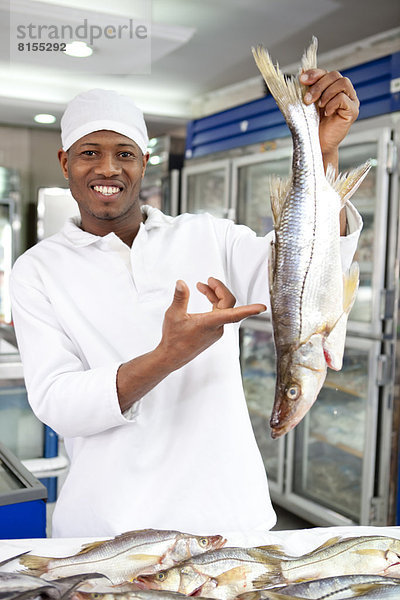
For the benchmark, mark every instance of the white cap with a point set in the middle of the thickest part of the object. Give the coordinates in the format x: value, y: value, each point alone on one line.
x: 103, y: 109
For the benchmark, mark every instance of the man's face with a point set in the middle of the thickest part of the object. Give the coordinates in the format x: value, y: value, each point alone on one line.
x: 104, y: 170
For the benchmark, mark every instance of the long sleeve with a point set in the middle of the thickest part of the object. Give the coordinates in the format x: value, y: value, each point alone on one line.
x: 63, y: 392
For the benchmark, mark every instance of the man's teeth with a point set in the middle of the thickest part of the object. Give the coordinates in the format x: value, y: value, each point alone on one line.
x: 106, y: 190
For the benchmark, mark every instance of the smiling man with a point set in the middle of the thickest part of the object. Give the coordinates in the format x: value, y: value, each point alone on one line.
x: 122, y: 354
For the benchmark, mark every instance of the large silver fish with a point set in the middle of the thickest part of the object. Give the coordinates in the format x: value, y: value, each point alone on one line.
x: 219, y: 574
x: 127, y: 555
x: 367, y: 555
x: 310, y: 296
x: 332, y: 588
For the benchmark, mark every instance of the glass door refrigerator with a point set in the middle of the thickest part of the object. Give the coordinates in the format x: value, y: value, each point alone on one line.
x: 334, y: 468
x: 206, y: 188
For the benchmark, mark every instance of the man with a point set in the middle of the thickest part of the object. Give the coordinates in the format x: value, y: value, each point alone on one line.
x: 148, y: 393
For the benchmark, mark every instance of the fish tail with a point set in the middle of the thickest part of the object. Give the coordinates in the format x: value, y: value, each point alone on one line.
x: 37, y: 565
x: 309, y: 58
x: 287, y: 91
x: 346, y: 184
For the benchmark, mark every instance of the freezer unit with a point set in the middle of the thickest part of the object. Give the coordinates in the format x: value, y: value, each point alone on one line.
x: 237, y: 185
x: 22, y: 500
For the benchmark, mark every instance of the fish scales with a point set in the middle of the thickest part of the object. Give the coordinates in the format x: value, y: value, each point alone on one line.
x: 308, y: 305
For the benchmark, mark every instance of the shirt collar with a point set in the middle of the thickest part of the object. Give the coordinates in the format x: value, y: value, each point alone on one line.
x: 73, y: 232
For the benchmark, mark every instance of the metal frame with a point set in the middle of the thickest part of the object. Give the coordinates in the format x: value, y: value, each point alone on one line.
x: 381, y: 137
x: 174, y: 191
x: 205, y: 167
x: 276, y: 487
x: 255, y: 159
x: 33, y: 490
x: 317, y: 512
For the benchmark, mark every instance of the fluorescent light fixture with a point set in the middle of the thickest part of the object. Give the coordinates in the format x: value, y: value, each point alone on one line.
x: 44, y: 118
x: 78, y: 49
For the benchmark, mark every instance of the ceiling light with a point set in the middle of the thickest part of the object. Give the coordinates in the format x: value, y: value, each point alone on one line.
x: 155, y: 160
x: 78, y: 49
x: 43, y: 118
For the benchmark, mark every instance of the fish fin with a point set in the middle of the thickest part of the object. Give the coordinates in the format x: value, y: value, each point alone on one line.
x: 350, y: 286
x: 278, y: 191
x: 334, y: 343
x: 273, y: 577
x: 88, y: 547
x: 263, y: 556
x: 286, y: 90
x: 37, y: 565
x: 331, y: 542
x: 369, y: 552
x: 7, y: 560
x: 146, y: 557
x: 309, y: 58
x: 231, y: 576
x: 359, y: 589
x: 273, y: 549
x: 345, y: 184
x: 271, y: 267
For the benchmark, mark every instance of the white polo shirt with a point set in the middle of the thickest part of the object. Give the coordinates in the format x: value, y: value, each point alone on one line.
x: 184, y: 457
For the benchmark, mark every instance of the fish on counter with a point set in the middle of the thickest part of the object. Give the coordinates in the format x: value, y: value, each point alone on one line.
x: 368, y: 555
x: 125, y: 556
x: 310, y: 296
x: 129, y: 595
x: 332, y: 588
x: 223, y: 573
x: 16, y: 585
x: 229, y: 572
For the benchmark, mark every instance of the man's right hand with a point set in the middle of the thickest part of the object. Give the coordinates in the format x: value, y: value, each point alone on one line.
x: 185, y: 335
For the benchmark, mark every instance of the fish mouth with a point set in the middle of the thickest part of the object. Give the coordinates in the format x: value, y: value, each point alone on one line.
x: 141, y: 582
x: 277, y: 432
x: 197, y: 591
x: 218, y: 541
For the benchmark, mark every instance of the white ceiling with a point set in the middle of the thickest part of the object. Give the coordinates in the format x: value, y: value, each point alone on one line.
x: 196, y: 47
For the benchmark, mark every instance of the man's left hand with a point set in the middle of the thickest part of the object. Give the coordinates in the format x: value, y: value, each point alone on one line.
x: 338, y: 105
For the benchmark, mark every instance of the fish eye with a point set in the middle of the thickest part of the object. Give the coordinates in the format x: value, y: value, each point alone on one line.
x: 203, y: 542
x: 293, y: 392
x: 160, y: 576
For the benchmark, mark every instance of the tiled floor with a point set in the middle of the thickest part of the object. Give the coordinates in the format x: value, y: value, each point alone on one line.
x: 287, y: 520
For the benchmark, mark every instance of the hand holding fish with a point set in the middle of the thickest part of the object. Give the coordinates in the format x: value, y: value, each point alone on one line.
x: 185, y: 335
x: 338, y: 105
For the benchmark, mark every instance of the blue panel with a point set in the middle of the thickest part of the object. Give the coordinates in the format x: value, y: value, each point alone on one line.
x: 23, y: 520
x: 244, y: 111
x: 261, y: 120
x: 235, y: 129
x: 50, y: 451
x: 50, y: 443
x: 263, y: 135
x: 395, y: 105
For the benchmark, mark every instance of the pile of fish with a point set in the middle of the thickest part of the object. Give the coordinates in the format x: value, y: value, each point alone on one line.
x: 170, y: 565
x: 310, y: 296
